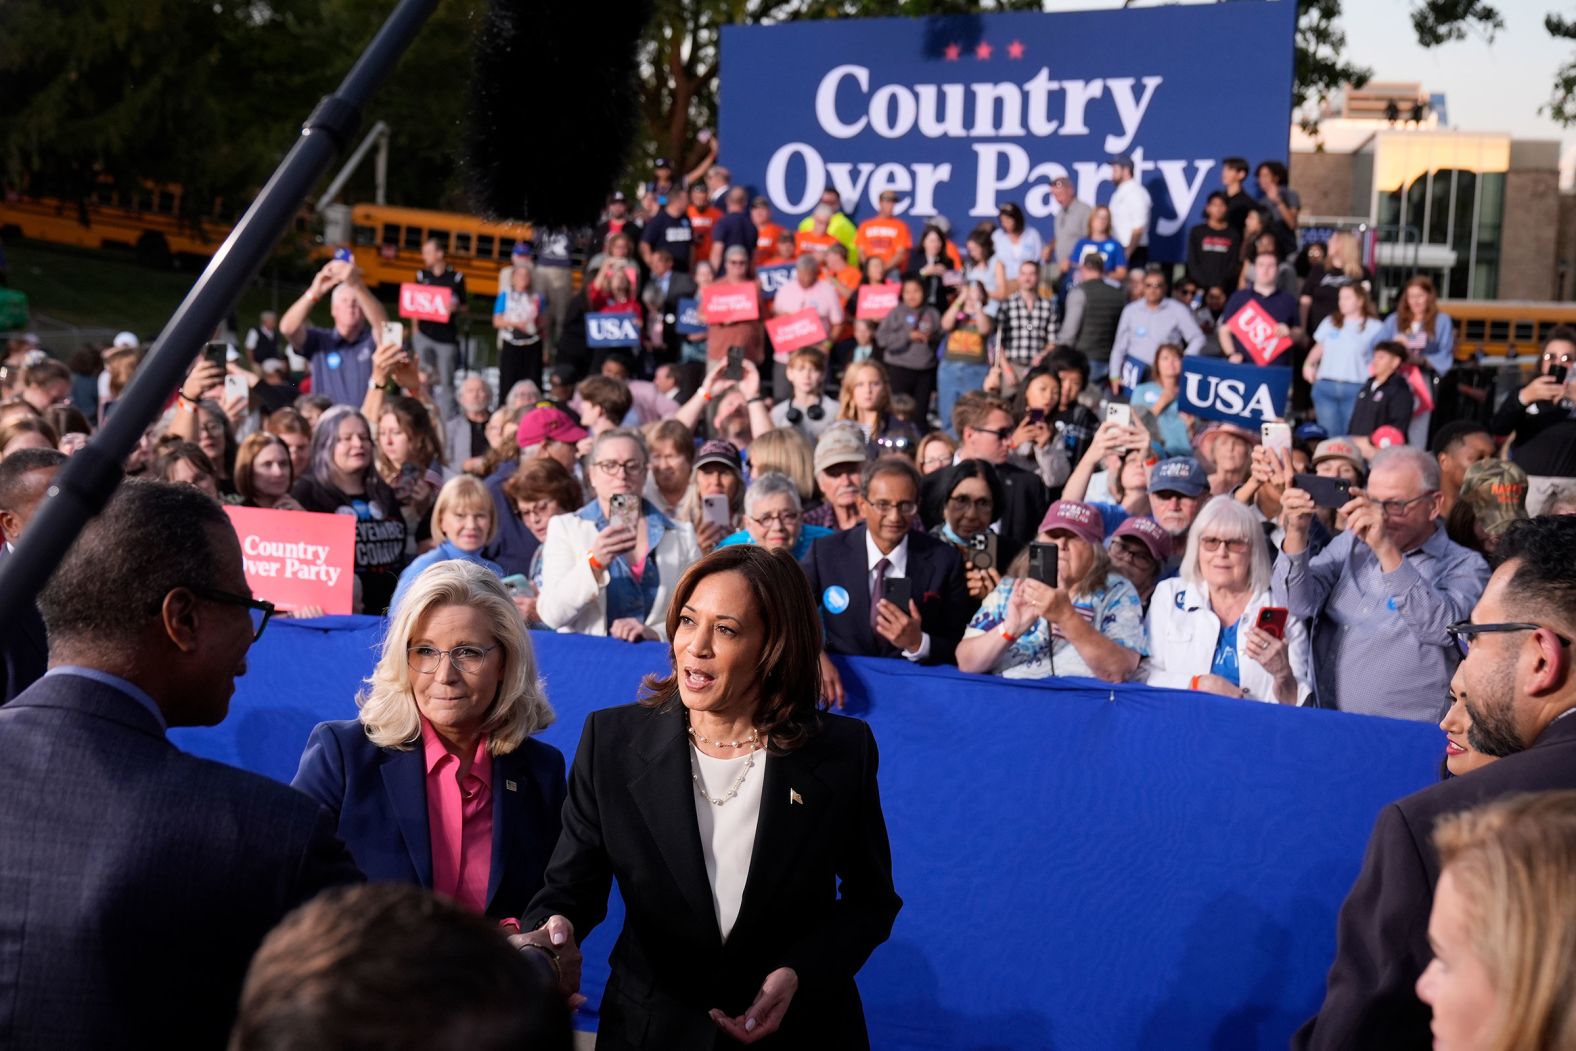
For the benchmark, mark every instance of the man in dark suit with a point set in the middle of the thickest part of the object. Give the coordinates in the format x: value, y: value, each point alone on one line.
x: 1518, y: 682
x: 848, y: 573
x: 664, y: 288
x: 985, y: 427
x: 25, y: 477
x: 139, y: 880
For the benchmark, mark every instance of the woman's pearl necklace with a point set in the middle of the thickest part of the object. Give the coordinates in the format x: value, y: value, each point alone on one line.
x: 749, y: 764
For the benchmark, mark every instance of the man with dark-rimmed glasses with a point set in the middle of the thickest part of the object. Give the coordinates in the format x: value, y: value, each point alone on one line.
x: 1517, y: 679
x: 144, y: 877
x: 1382, y: 593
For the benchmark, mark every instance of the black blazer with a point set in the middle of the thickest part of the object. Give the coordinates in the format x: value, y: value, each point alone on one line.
x: 137, y: 880
x: 631, y: 815
x: 378, y: 796
x: 1382, y: 935
x: 24, y: 648
x: 939, y: 589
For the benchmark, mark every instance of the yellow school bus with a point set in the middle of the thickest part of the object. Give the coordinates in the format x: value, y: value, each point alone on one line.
x: 146, y: 219
x: 1504, y: 328
x: 387, y: 243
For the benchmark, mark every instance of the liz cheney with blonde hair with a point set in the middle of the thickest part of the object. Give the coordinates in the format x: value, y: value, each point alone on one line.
x: 439, y: 781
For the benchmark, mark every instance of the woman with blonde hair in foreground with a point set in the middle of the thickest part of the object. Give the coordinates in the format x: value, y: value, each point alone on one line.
x: 1503, y: 927
x: 438, y: 781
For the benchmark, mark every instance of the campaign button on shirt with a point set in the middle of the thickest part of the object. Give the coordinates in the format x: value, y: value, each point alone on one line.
x: 333, y: 359
x: 835, y: 599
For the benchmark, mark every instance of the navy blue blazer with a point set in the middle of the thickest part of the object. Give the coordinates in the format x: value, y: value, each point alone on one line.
x: 136, y: 881
x: 379, y: 797
x: 935, y: 570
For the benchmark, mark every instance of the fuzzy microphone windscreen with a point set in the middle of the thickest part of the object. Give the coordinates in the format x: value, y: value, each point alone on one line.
x: 555, y: 106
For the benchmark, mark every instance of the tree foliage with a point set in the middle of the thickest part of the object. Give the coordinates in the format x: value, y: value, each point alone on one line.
x: 1562, y: 102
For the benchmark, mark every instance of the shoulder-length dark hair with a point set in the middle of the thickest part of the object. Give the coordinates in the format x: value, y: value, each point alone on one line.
x: 966, y: 469
x: 790, y: 669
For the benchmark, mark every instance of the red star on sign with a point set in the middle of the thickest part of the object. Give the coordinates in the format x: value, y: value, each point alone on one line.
x: 982, y: 51
x: 951, y: 52
x: 1015, y: 49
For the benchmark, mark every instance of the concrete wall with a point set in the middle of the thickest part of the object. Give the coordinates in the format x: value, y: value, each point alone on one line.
x: 1527, y: 267
x: 1325, y: 182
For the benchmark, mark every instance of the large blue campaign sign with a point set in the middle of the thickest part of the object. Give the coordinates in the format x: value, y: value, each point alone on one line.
x: 1246, y: 394
x: 1083, y: 866
x: 960, y: 114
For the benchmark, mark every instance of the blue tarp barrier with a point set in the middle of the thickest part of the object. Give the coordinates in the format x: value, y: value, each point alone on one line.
x: 1082, y: 866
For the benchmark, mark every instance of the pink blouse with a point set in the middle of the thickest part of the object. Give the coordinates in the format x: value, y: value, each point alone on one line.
x: 459, y: 821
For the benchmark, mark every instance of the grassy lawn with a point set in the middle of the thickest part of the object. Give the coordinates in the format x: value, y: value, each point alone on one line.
x: 107, y: 289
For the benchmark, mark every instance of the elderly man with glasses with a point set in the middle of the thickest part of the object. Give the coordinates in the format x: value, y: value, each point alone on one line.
x: 1383, y: 594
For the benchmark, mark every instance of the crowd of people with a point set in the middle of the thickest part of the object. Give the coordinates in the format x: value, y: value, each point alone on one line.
x: 994, y: 474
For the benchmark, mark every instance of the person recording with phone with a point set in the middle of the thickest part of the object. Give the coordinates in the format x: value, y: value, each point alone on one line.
x: 610, y: 567
x: 1060, y: 610
x: 1215, y: 628
x: 1542, y: 416
x: 972, y: 491
x: 715, y: 501
x: 884, y: 589
x: 1381, y: 594
x: 341, y: 356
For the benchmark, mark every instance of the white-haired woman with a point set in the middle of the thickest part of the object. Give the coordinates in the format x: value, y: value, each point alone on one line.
x: 610, y: 567
x: 773, y: 517
x: 438, y: 781
x: 1203, y: 625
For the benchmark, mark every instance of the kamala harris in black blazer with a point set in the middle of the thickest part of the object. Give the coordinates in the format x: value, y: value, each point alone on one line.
x: 818, y: 897
x: 371, y: 772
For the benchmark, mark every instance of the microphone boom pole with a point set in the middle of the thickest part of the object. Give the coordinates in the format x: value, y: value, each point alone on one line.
x: 89, y: 478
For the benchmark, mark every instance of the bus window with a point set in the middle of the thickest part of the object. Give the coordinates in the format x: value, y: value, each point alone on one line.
x: 484, y: 246
x: 105, y: 195
x: 413, y: 238
x: 166, y: 202
x: 440, y: 236
x: 362, y: 235
x: 390, y: 234
x: 462, y: 244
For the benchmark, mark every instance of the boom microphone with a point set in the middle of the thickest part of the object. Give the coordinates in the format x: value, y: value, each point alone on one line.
x: 553, y: 164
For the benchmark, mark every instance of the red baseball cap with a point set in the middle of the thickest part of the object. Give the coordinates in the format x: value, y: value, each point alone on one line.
x: 1386, y: 436
x: 545, y: 422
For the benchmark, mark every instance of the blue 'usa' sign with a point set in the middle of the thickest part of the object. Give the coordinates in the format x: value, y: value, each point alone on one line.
x: 1218, y: 390
x: 612, y: 330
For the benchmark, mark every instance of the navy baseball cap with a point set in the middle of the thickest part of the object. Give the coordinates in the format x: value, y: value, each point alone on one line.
x: 1179, y: 474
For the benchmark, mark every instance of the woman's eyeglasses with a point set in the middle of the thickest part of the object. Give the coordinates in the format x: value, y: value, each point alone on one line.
x: 466, y: 659
x: 617, y: 467
x: 786, y: 519
x: 960, y: 504
x: 1236, y: 545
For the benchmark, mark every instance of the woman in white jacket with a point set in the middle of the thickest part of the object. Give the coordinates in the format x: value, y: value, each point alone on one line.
x: 607, y: 573
x: 1203, y: 632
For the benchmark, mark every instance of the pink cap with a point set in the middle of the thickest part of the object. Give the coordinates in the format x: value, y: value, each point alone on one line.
x: 1077, y: 518
x: 1387, y: 436
x: 545, y: 422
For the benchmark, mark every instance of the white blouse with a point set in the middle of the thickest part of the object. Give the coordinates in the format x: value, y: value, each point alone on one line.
x: 727, y: 832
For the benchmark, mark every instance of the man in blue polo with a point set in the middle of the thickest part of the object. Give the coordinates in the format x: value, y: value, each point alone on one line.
x: 340, y: 357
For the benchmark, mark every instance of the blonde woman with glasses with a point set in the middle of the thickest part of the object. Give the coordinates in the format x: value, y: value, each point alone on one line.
x: 438, y: 781
x: 1204, y: 625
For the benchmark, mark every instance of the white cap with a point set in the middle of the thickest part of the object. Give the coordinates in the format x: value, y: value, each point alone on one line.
x: 128, y: 341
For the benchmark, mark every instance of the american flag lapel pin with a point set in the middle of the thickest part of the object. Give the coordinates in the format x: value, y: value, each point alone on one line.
x: 795, y: 797
x: 511, y: 786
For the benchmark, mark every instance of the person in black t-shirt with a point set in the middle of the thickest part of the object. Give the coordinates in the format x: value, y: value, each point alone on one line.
x: 1385, y: 400
x: 1543, y: 416
x: 437, y: 343
x: 344, y: 480
x: 670, y: 229
x: 1213, y: 247
x: 1233, y: 176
